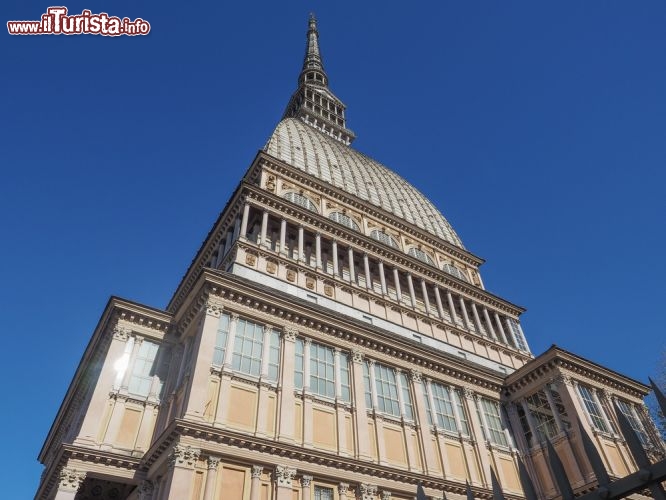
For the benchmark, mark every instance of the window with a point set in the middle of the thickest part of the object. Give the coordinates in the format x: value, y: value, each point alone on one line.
x: 322, y: 370
x: 592, y: 408
x: 543, y: 417
x: 387, y: 391
x: 629, y: 411
x: 273, y: 355
x: 300, y: 200
x: 447, y: 405
x: 517, y: 334
x: 221, y: 340
x: 454, y: 271
x: 421, y: 255
x: 385, y: 238
x: 248, y: 347
x: 322, y: 493
x: 142, y: 371
x: 345, y: 220
x: 491, y: 416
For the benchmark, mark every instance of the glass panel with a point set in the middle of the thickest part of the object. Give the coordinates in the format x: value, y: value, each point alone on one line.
x: 221, y: 340
x: 142, y: 371
x: 495, y: 430
x: 592, y: 408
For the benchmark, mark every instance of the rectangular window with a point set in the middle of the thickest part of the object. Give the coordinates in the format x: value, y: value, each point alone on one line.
x: 543, y: 417
x: 322, y: 493
x: 366, y: 385
x: 273, y: 355
x: 221, y: 340
x: 299, y: 365
x: 387, y: 390
x: 592, y: 408
x: 142, y: 371
x: 517, y: 335
x: 629, y: 411
x: 443, y: 407
x: 248, y: 346
x: 462, y: 416
x: 495, y: 430
x: 322, y: 370
x: 406, y: 396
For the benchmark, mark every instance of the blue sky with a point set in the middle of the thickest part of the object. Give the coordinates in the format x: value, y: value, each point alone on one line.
x: 536, y: 128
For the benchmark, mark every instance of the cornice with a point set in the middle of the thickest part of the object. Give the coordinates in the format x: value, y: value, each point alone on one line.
x: 240, y: 295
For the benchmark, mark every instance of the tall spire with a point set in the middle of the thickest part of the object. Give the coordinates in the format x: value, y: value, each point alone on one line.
x: 313, y: 102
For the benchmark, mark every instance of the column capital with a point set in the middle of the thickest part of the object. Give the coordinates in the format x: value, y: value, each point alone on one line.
x: 469, y: 393
x: 212, y: 462
x: 386, y: 495
x: 307, y: 341
x: 343, y: 488
x: 367, y: 491
x: 256, y: 472
x: 184, y: 456
x: 290, y: 333
x: 214, y: 307
x: 121, y: 333
x: 70, y: 479
x: 284, y: 476
x: 306, y: 480
x: 357, y: 356
x: 563, y: 379
x: 416, y: 375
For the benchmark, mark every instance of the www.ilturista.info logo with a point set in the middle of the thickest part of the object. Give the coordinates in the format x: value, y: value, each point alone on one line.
x: 56, y: 22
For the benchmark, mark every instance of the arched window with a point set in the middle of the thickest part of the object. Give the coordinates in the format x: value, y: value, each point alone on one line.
x: 343, y: 219
x: 421, y: 255
x: 301, y: 200
x: 453, y: 270
x: 387, y: 239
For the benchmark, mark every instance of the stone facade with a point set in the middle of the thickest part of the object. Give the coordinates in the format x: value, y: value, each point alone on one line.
x: 332, y: 339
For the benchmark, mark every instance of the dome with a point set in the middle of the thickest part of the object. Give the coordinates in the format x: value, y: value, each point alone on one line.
x: 331, y: 161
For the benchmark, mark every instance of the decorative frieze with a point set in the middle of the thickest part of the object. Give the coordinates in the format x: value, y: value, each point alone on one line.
x: 70, y: 479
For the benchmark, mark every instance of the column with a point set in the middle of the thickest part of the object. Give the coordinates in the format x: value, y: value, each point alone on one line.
x: 211, y: 476
x: 335, y: 258
x: 486, y: 316
x: 452, y: 308
x: 255, y: 484
x: 463, y: 308
x: 410, y: 284
x: 306, y: 481
x: 283, y: 482
x: 244, y: 220
x: 373, y: 383
x: 503, y: 336
x: 283, y: 236
x: 70, y: 481
x: 339, y: 407
x: 181, y: 472
x: 262, y: 411
x: 429, y: 459
x: 308, y: 424
x: 287, y: 400
x: 301, y: 255
x: 438, y: 301
x: 530, y: 423
x: 366, y: 266
x: 361, y: 417
x: 351, y: 265
x: 396, y: 280
x: 406, y: 427
x: 477, y: 320
x: 426, y: 300
x: 473, y: 413
x: 382, y: 278
x: 204, y: 346
x: 318, y: 251
x: 264, y: 227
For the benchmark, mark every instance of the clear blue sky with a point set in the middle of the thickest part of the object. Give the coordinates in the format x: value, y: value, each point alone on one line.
x: 537, y: 128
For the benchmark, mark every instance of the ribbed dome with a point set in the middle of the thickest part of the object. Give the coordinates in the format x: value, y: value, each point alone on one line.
x: 328, y: 159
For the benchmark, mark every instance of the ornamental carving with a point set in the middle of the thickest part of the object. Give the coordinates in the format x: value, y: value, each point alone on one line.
x: 416, y: 375
x: 357, y: 356
x: 184, y: 456
x: 250, y: 259
x: 146, y: 489
x: 305, y: 481
x: 284, y: 475
x: 291, y: 275
x: 328, y: 290
x: 343, y: 488
x: 70, y: 479
x: 270, y: 183
x: 310, y: 283
x: 386, y: 495
x: 213, y: 307
x: 257, y: 471
x: 271, y: 267
x: 121, y: 333
x: 468, y: 393
x: 290, y: 333
x: 213, y: 462
x: 367, y: 491
x: 563, y: 379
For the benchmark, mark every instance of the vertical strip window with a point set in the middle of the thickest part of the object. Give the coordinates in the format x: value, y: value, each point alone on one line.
x: 367, y: 385
x: 629, y: 411
x: 443, y: 407
x: 461, y: 412
x: 592, y: 408
x: 298, y: 364
x: 406, y: 396
x: 274, y: 355
x: 221, y: 340
x: 344, y: 377
x: 142, y: 371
